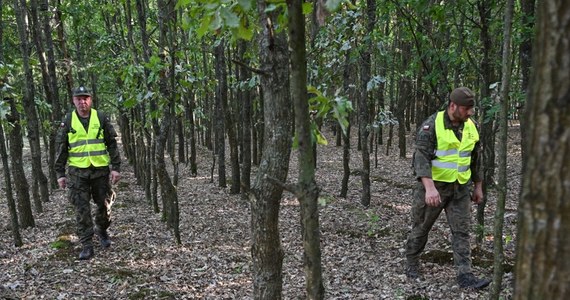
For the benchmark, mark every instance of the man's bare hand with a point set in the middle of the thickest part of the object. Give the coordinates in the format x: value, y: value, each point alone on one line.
x: 62, y: 182
x: 115, y: 177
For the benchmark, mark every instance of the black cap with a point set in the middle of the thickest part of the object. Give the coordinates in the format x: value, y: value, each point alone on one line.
x: 81, y: 91
x: 463, y: 96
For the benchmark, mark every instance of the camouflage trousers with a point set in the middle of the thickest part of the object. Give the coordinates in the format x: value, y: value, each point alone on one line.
x: 84, y: 185
x: 456, y: 201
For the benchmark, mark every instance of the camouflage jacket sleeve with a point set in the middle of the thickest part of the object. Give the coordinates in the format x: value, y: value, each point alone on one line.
x: 476, y: 168
x: 62, y: 148
x: 111, y: 142
x: 425, y: 148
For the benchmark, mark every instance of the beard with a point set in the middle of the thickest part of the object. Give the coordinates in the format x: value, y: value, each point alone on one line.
x: 459, y: 117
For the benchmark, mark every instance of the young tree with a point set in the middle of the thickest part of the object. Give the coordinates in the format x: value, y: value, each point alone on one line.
x: 22, y: 187
x: 363, y: 110
x: 266, y: 250
x: 4, y: 153
x: 306, y: 190
x: 502, y: 155
x: 542, y: 268
x: 32, y: 126
x: 219, y: 120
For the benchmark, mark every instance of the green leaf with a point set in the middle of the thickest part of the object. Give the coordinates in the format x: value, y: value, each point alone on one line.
x: 307, y: 8
x: 182, y: 3
x: 230, y: 18
x: 244, y: 32
x: 211, y: 6
x: 271, y: 7
x: 321, y: 140
x: 245, y: 4
x: 216, y: 22
x: 333, y: 5
x: 130, y: 103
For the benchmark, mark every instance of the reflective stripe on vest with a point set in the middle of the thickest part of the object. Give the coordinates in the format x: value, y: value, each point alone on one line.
x: 87, y: 148
x: 453, y: 157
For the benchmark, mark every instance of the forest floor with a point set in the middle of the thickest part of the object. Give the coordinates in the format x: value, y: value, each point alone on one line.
x: 362, y: 248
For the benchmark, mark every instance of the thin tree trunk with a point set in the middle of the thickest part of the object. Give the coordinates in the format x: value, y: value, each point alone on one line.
x: 542, y: 268
x: 266, y: 250
x: 487, y: 126
x: 245, y: 98
x: 307, y: 190
x: 30, y: 109
x: 232, y: 128
x: 25, y: 214
x: 219, y: 120
x: 498, y: 251
x: 15, y: 226
x: 525, y: 52
x: 53, y: 92
x: 63, y: 48
x: 346, y: 135
x: 364, y: 112
x: 404, y: 95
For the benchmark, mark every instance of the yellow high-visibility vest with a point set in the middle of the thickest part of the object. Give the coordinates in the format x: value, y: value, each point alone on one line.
x: 453, y: 157
x: 87, y: 148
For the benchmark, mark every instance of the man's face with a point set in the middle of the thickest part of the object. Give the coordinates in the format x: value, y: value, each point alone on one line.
x: 461, y: 113
x: 82, y: 103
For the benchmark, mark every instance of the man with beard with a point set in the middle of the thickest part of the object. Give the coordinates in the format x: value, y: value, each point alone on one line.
x: 446, y: 162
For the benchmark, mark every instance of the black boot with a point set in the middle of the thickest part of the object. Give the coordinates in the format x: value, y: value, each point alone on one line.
x: 104, y: 237
x: 86, y: 252
x: 469, y: 280
x: 413, y: 271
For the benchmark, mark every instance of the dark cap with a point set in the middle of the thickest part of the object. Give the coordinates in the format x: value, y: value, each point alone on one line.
x: 462, y: 96
x: 81, y: 91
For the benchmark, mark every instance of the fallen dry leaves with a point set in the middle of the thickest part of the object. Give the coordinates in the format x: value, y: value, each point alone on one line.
x: 362, y: 249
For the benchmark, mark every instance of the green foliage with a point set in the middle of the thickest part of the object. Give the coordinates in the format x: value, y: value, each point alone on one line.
x: 4, y: 110
x: 219, y: 15
x: 508, y: 239
x: 373, y: 220
x: 321, y: 106
x: 383, y: 118
x: 374, y: 83
x: 63, y: 242
x: 334, y: 5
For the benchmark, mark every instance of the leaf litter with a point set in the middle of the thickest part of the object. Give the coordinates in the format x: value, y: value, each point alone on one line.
x: 362, y: 248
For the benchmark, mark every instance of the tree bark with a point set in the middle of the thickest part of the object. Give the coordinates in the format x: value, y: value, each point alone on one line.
x: 63, y: 48
x: 169, y: 194
x: 52, y: 93
x: 498, y: 251
x: 232, y: 128
x: 266, y: 192
x: 486, y: 122
x: 16, y: 236
x: 307, y: 190
x: 22, y: 187
x: 346, y: 135
x: 542, y: 268
x: 525, y: 54
x: 245, y: 98
x: 32, y: 126
x: 219, y: 120
x: 15, y: 226
x: 364, y: 112
x: 404, y: 94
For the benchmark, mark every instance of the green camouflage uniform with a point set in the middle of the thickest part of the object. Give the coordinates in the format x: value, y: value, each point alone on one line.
x: 87, y: 183
x: 455, y: 199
